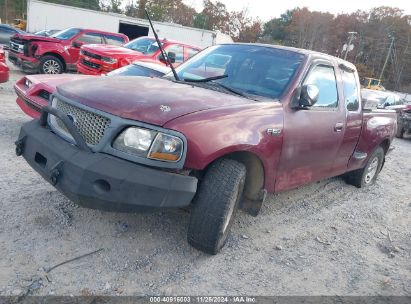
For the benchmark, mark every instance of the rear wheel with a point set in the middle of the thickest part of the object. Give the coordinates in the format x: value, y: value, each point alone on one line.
x: 215, y: 205
x: 51, y: 65
x: 367, y: 175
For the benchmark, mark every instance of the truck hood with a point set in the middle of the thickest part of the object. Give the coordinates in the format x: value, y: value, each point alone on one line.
x: 35, y: 38
x: 151, y: 100
x: 110, y: 50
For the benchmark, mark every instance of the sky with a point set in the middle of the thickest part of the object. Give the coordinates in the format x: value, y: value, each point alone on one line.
x: 267, y: 9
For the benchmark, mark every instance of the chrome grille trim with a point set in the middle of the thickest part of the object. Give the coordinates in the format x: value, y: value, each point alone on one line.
x: 91, y: 126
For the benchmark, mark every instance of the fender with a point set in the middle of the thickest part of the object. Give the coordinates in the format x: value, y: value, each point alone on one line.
x: 254, y: 128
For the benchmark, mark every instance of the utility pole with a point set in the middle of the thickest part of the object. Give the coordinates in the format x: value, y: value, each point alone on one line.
x: 388, y: 55
x: 349, y: 44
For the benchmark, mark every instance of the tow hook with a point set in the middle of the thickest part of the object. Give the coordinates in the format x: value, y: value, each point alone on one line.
x: 19, y: 146
x: 55, y: 173
x: 54, y: 176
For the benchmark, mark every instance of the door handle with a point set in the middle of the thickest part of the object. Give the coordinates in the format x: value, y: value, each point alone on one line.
x: 338, y: 126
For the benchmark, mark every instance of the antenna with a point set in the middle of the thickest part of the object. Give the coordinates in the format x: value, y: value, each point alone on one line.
x: 161, y: 48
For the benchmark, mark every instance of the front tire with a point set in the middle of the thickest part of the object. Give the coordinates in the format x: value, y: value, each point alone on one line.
x: 215, y: 205
x: 366, y: 176
x: 51, y: 65
x: 400, y: 131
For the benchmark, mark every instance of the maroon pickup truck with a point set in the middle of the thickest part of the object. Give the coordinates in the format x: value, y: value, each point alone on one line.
x: 239, y: 121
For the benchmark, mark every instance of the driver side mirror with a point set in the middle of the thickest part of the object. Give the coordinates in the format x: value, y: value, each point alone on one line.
x: 172, y: 56
x: 309, y: 95
x: 77, y: 44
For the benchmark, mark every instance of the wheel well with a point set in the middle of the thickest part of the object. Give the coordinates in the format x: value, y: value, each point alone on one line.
x: 254, y: 181
x: 385, y: 145
x: 58, y: 56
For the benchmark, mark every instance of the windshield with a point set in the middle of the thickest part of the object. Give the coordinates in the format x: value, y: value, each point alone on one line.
x: 66, y: 34
x: 146, y: 46
x: 251, y: 69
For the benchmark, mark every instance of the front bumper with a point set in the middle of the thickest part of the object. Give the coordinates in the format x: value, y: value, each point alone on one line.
x: 98, y: 180
x: 27, y: 64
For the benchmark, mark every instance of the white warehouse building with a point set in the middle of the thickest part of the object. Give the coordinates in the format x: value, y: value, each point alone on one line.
x: 43, y: 15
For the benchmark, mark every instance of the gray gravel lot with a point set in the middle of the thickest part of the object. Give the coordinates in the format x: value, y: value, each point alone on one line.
x: 326, y: 238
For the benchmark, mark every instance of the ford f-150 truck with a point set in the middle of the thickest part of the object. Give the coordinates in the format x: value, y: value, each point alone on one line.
x: 239, y: 121
x: 58, y: 53
x: 99, y: 59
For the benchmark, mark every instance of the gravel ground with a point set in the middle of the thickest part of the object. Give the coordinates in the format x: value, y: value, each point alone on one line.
x: 327, y: 238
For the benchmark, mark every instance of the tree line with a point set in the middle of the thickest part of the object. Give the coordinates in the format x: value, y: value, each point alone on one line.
x: 376, y: 31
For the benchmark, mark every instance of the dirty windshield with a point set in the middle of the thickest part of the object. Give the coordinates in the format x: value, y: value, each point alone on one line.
x: 146, y: 46
x: 250, y: 69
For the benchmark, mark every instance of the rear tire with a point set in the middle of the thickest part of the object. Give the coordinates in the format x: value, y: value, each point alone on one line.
x: 215, y: 205
x: 366, y: 176
x: 51, y: 65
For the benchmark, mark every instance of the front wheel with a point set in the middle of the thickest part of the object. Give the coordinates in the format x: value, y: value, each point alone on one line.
x: 400, y: 131
x: 51, y: 65
x: 215, y: 205
x: 367, y: 175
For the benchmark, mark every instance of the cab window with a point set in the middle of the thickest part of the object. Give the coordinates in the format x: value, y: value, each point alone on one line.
x: 351, y: 93
x: 90, y: 38
x: 323, y: 77
x: 114, y: 40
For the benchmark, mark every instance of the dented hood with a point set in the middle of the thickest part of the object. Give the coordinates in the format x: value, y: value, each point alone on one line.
x: 36, y: 38
x: 151, y: 100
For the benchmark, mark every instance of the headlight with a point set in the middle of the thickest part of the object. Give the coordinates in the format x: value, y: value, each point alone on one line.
x: 109, y: 60
x: 27, y: 83
x: 166, y: 147
x: 134, y: 141
x: 150, y: 144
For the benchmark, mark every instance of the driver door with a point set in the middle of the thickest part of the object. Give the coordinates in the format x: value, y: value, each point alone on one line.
x: 312, y: 136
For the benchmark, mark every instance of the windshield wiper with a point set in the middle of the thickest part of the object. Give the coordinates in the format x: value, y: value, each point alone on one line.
x: 206, y: 79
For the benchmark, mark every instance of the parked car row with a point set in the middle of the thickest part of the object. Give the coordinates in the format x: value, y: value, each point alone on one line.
x: 90, y: 52
x: 373, y: 100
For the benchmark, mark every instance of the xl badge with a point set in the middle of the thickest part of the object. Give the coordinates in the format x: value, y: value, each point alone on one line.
x: 165, y: 108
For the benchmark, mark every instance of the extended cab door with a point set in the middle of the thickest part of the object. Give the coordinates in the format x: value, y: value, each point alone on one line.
x: 351, y: 90
x: 312, y: 137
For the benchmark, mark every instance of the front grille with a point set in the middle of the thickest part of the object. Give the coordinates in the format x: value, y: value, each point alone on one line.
x: 17, y: 46
x: 88, y: 54
x: 91, y: 126
x: 90, y: 64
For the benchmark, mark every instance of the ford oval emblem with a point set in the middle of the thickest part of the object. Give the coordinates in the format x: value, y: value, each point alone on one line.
x: 72, y: 118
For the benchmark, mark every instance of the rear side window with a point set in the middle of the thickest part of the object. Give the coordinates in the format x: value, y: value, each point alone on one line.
x: 191, y: 52
x: 323, y: 77
x: 114, y: 40
x: 178, y: 50
x: 90, y: 38
x: 351, y: 92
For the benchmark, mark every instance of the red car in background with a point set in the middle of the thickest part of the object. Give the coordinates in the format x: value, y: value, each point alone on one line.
x: 4, y: 69
x: 33, y: 91
x: 99, y: 59
x: 58, y: 53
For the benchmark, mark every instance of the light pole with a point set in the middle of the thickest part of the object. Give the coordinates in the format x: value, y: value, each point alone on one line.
x: 349, y: 44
